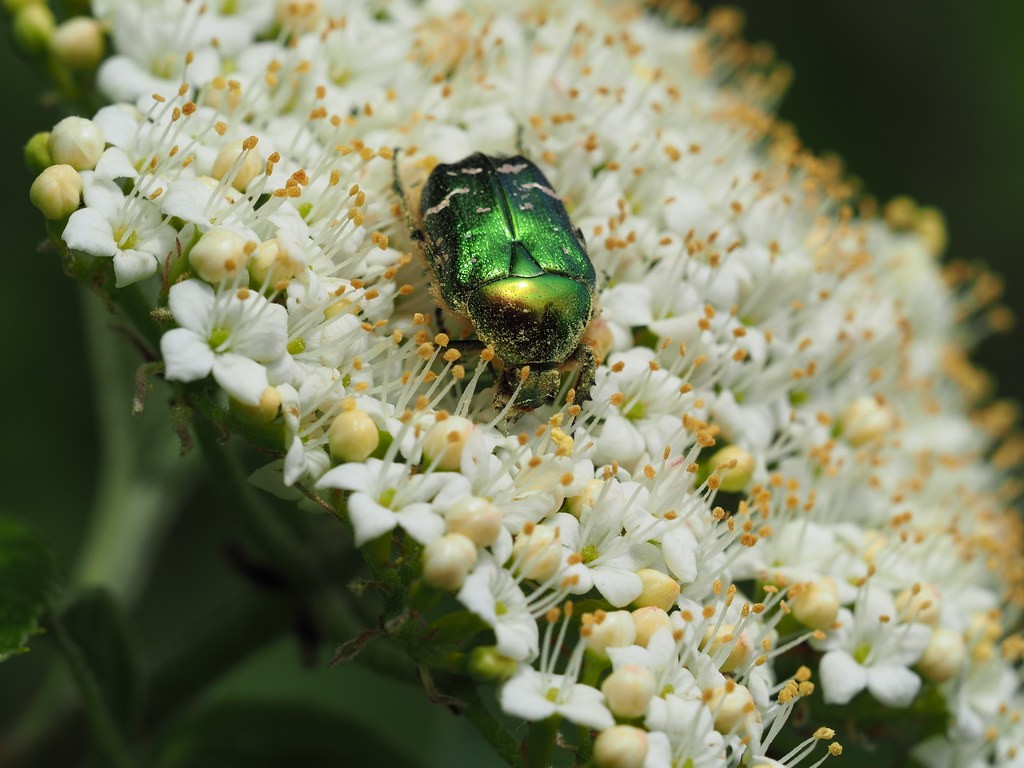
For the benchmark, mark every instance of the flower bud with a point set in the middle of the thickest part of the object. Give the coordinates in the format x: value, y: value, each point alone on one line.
x: 475, y: 518
x: 77, y: 142
x: 628, y: 690
x: 733, y: 707
x: 486, y: 665
x: 659, y: 589
x: 600, y: 337
x: 56, y: 192
x: 33, y: 27
x: 447, y: 560
x: 740, y: 648
x: 865, y: 421
x: 621, y: 746
x: 37, y: 152
x: 299, y: 16
x: 919, y: 603
x: 943, y: 657
x: 353, y: 435
x: 79, y: 43
x: 537, y: 552
x: 815, y: 604
x: 264, y: 411
x: 737, y: 467
x: 442, y: 447
x: 272, y: 266
x: 649, y: 620
x: 614, y: 629
x: 584, y: 501
x: 248, y: 169
x: 220, y: 254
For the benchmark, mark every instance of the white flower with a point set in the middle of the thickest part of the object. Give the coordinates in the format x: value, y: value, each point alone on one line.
x: 872, y: 649
x: 492, y: 594
x: 386, y: 495
x: 125, y: 228
x: 231, y: 334
x: 533, y: 696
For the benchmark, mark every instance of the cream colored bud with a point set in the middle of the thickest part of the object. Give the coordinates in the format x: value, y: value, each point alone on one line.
x: 649, y: 620
x: 865, y: 421
x: 659, y: 589
x: 447, y: 560
x: 614, y: 629
x: 56, y: 192
x: 815, y: 604
x: 628, y: 690
x: 352, y: 436
x: 740, y: 647
x: 272, y: 266
x: 621, y: 746
x: 79, y: 43
x: 475, y: 518
x: 33, y: 27
x: 442, y: 447
x: 919, y: 603
x: 736, y: 467
x: 733, y: 708
x: 270, y: 404
x: 220, y: 254
x: 600, y: 337
x: 248, y: 169
x: 77, y: 142
x: 584, y: 501
x: 537, y: 554
x: 943, y: 657
x: 299, y: 16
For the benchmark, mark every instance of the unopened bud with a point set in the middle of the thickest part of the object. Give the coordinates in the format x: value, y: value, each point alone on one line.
x: 250, y: 167
x: 447, y: 561
x: 263, y: 412
x: 77, y: 142
x: 486, y: 665
x: 443, y: 445
x: 659, y: 589
x: 79, y: 43
x: 56, y: 192
x: 815, y: 604
x: 943, y: 657
x: 584, y: 501
x: 628, y: 690
x: 537, y: 554
x: 611, y: 630
x: 733, y: 707
x: 271, y: 265
x: 37, y: 152
x: 919, y: 603
x: 475, y: 518
x: 865, y: 421
x: 219, y: 254
x: 33, y: 27
x: 739, y: 646
x: 649, y: 620
x: 352, y: 436
x: 621, y: 746
x: 737, y: 467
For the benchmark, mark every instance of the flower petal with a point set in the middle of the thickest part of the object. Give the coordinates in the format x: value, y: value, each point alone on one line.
x: 187, y: 357
x: 842, y: 677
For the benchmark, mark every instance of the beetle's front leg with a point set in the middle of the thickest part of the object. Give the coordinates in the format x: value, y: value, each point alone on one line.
x: 585, y: 360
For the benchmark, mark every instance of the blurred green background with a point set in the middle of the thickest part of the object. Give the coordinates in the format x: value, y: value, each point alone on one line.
x: 920, y: 97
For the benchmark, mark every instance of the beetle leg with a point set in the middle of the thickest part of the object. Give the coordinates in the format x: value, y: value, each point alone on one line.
x: 586, y: 361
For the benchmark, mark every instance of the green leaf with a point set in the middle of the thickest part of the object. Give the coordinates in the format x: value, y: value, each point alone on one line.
x: 271, y: 735
x: 28, y: 577
x: 98, y: 627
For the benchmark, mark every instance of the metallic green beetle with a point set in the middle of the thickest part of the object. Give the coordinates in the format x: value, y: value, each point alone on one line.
x: 504, y: 254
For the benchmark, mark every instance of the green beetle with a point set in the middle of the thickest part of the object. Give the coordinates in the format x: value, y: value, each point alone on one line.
x: 503, y: 254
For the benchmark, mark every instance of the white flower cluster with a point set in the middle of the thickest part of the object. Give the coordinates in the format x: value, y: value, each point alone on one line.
x: 776, y: 455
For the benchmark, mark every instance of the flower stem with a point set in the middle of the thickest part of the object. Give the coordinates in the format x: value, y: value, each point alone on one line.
x: 108, y: 738
x: 487, y: 725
